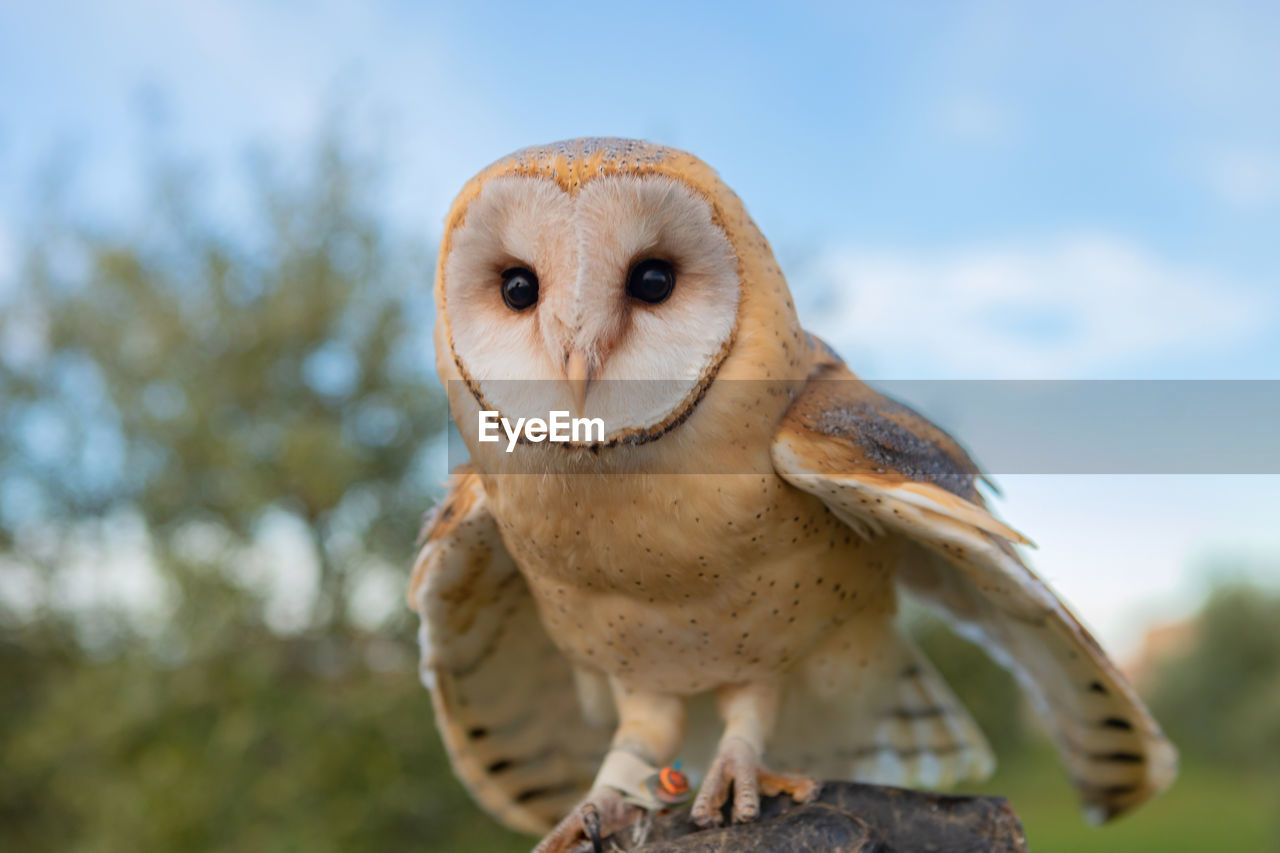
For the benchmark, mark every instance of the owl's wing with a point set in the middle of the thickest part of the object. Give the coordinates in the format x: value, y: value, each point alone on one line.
x: 885, y: 470
x: 505, y: 699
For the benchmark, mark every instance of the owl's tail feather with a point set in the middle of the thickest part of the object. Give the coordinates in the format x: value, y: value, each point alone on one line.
x: 892, y: 722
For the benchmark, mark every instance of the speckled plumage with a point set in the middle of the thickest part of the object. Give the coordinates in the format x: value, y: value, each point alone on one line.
x: 563, y: 588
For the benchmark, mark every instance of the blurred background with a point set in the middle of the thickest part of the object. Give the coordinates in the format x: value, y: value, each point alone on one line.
x: 219, y: 422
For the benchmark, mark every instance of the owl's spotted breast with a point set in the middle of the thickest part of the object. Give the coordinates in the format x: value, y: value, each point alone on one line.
x: 682, y: 584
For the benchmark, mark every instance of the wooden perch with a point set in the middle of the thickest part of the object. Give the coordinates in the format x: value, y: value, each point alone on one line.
x: 847, y: 817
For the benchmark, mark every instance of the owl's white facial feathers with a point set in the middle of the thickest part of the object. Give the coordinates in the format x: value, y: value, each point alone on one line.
x: 581, y: 249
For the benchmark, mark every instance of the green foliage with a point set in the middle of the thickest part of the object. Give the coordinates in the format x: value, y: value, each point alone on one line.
x: 191, y: 374
x: 315, y: 743
x: 1219, y: 699
x: 1209, y: 807
x: 167, y: 391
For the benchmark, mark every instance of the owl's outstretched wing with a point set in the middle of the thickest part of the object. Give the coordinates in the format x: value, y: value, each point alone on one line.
x: 504, y: 696
x: 885, y: 470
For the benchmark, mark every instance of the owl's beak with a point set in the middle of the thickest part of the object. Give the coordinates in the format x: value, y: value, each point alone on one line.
x: 579, y: 374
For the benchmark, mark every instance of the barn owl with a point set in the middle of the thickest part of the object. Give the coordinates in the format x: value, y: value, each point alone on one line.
x: 716, y: 579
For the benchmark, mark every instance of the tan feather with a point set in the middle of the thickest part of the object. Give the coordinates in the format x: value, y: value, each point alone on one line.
x: 504, y: 696
x: 964, y: 564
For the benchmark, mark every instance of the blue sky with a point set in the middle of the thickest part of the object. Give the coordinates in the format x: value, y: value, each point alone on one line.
x: 978, y: 190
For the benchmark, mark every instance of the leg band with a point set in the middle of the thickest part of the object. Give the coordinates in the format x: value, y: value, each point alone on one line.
x: 629, y: 774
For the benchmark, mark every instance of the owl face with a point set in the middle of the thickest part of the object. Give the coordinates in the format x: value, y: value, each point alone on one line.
x: 615, y: 298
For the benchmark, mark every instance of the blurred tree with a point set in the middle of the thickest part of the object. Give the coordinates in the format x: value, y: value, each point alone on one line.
x: 1219, y: 699
x: 246, y: 746
x: 197, y: 376
x: 242, y: 414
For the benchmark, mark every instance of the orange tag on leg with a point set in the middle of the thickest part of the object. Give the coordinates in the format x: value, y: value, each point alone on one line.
x: 669, y: 786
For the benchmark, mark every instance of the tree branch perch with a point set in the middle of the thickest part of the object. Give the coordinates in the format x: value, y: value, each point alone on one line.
x: 847, y: 817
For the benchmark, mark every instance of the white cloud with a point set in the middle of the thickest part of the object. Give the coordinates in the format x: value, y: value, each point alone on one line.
x: 1059, y: 309
x: 1246, y: 178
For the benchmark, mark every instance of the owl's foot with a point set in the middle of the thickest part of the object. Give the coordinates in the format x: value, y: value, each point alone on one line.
x: 602, y: 813
x: 738, y: 765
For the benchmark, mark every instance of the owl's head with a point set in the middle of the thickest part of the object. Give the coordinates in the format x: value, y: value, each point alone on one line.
x: 601, y: 276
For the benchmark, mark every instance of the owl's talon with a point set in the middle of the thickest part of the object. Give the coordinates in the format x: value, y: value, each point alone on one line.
x: 591, y: 825
x: 802, y: 789
x: 601, y: 814
x: 736, y: 765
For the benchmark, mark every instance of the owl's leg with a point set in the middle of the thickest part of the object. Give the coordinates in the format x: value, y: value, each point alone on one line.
x: 749, y: 712
x: 650, y: 729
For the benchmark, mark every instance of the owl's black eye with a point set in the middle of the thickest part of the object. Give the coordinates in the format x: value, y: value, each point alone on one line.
x: 519, y: 288
x: 651, y: 281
